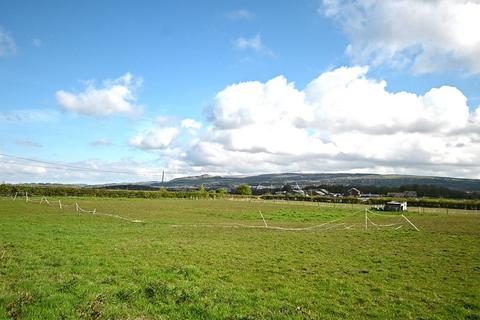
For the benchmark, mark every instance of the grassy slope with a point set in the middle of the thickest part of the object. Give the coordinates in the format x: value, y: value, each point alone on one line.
x: 58, y: 264
x: 328, y: 178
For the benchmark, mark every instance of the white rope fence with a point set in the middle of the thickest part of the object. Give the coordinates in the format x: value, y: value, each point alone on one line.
x: 76, y: 206
x: 329, y: 225
x: 398, y: 224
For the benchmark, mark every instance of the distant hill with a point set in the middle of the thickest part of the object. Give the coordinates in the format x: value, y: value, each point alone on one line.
x: 303, y: 179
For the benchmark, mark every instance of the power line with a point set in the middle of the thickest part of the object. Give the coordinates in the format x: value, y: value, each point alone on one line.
x: 39, y: 166
x: 45, y: 166
x: 67, y: 167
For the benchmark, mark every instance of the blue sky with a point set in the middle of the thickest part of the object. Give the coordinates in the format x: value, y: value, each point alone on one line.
x: 184, y: 55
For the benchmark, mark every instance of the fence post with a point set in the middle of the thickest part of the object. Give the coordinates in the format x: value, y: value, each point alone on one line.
x: 366, y: 219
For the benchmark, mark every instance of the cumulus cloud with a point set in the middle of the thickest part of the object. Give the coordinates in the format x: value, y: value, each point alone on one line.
x: 162, y: 133
x: 346, y: 99
x: 7, y: 43
x: 426, y: 36
x: 343, y: 120
x: 190, y: 124
x: 254, y: 44
x: 157, y: 138
x: 113, y: 97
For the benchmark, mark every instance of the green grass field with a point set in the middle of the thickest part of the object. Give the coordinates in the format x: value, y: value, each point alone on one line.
x: 212, y: 259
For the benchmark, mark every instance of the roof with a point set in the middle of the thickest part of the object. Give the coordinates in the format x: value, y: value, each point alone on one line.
x: 395, y: 203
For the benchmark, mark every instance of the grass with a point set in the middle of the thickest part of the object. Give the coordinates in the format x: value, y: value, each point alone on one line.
x: 57, y: 264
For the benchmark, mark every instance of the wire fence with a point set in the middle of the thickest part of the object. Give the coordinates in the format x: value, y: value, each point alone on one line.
x: 371, y: 218
x: 29, y: 198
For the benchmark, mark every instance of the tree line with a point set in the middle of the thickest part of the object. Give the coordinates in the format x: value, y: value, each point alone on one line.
x: 240, y: 192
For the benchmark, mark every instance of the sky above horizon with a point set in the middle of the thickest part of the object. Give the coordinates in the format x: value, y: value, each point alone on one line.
x: 108, y: 91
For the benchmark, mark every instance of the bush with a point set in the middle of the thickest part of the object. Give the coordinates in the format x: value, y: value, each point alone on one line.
x: 244, y: 189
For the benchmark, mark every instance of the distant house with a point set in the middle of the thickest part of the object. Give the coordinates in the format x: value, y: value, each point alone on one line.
x: 395, y: 206
x: 298, y: 192
x: 395, y: 194
x: 410, y: 194
x: 353, y: 192
x: 260, y: 187
x: 367, y: 196
x: 322, y: 193
x: 405, y: 194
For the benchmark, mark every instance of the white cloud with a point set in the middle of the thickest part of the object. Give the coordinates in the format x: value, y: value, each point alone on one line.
x: 115, y: 96
x: 161, y: 133
x: 190, y: 124
x: 96, y: 171
x: 254, y: 44
x: 157, y: 138
x: 7, y: 43
x: 346, y: 99
x: 426, y: 36
x: 476, y: 116
x: 342, y: 121
x: 241, y: 14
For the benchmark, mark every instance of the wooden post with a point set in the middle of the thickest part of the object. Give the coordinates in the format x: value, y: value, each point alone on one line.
x: 265, y: 222
x: 410, y: 222
x: 366, y: 219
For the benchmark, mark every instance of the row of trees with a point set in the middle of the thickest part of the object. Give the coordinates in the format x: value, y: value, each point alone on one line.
x: 9, y: 190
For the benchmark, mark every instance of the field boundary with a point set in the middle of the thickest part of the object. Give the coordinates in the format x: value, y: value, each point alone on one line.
x: 398, y: 224
x: 63, y: 206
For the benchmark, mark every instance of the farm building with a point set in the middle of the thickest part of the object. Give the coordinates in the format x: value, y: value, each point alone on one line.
x: 405, y: 194
x: 322, y: 192
x: 298, y: 192
x: 370, y: 195
x: 395, y: 206
x: 353, y: 192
